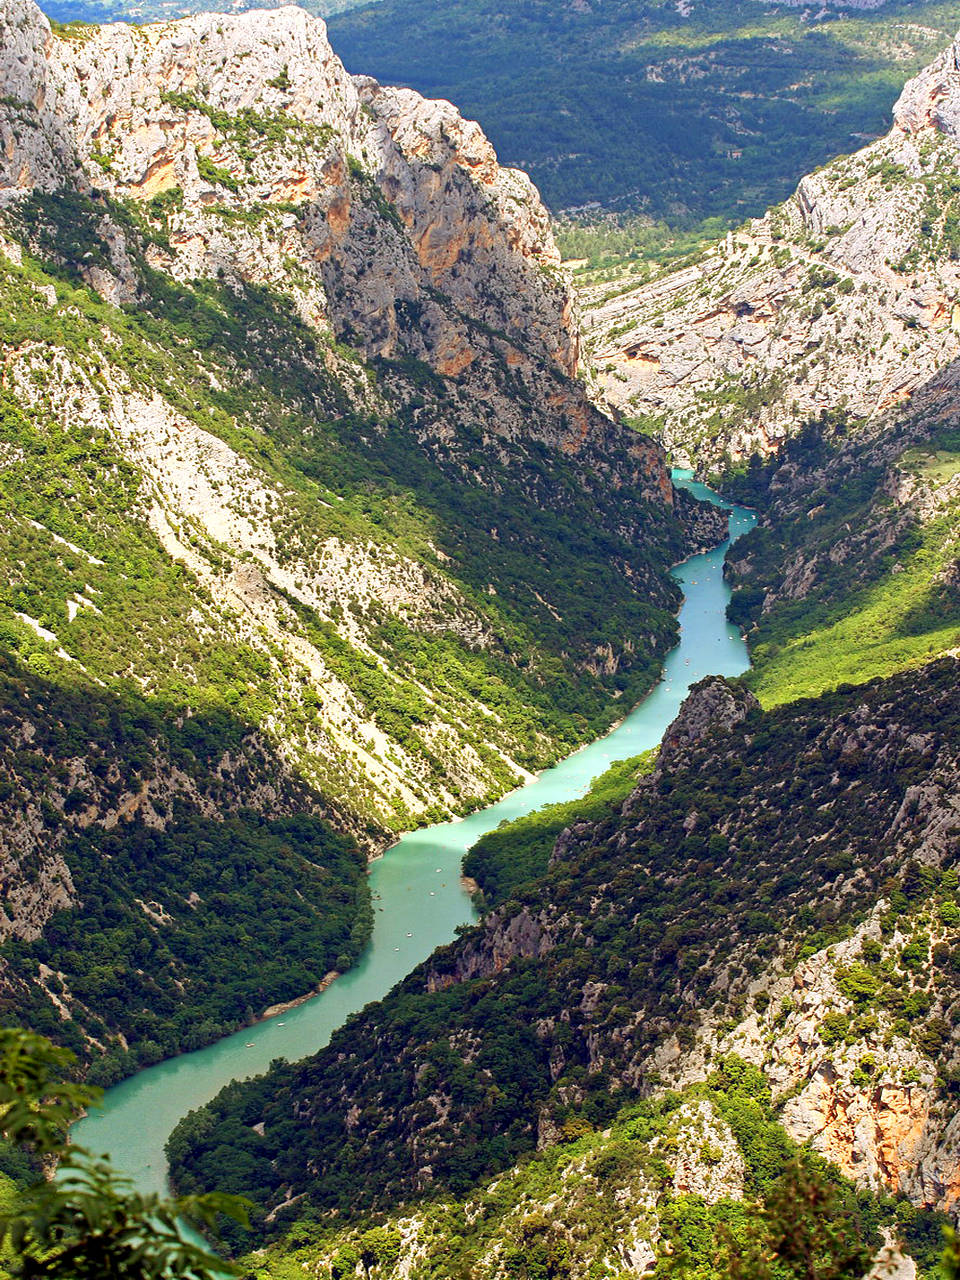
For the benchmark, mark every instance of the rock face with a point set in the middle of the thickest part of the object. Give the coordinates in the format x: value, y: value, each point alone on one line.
x: 710, y: 707
x: 843, y: 298
x: 407, y: 234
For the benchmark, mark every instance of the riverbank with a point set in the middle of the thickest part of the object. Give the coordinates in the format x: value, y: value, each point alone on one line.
x: 418, y: 886
x: 285, y: 1006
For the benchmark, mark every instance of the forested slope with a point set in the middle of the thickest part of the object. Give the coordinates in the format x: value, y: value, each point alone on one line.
x: 781, y: 886
x: 852, y: 570
x: 699, y: 111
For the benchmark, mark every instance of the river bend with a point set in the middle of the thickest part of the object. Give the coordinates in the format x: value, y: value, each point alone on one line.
x: 418, y: 897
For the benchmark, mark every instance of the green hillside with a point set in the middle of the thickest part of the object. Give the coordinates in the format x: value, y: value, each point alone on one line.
x: 662, y: 926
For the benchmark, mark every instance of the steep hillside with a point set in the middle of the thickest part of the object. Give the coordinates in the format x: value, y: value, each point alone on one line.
x: 781, y: 887
x: 852, y: 570
x: 140, y: 847
x: 680, y: 1178
x: 843, y: 298
x: 301, y: 491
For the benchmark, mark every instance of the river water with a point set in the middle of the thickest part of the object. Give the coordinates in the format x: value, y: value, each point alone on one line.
x: 418, y: 897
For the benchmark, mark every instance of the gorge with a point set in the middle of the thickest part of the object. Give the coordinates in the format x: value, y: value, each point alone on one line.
x: 418, y: 896
x: 339, y: 537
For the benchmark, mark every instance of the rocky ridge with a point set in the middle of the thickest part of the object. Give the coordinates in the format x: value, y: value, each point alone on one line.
x: 845, y: 297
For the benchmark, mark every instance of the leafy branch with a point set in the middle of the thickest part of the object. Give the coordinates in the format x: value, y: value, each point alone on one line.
x: 89, y: 1223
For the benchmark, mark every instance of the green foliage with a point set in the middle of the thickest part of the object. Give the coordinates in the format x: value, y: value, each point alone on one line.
x: 627, y: 249
x: 620, y: 945
x: 804, y: 1230
x: 519, y: 851
x: 88, y: 1223
x: 716, y: 112
x: 951, y: 1255
x: 888, y: 603
x: 151, y: 951
x: 250, y: 132
x: 216, y: 174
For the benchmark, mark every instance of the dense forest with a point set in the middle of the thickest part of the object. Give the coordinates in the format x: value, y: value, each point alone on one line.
x: 683, y: 114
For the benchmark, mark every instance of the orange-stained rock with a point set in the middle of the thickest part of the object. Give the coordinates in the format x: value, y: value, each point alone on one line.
x: 452, y: 358
x: 160, y: 176
x: 338, y: 215
x: 294, y: 188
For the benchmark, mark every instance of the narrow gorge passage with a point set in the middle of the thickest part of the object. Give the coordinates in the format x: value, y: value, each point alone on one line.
x: 418, y: 896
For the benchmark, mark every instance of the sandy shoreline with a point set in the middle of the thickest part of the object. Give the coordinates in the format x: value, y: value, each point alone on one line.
x: 287, y: 1005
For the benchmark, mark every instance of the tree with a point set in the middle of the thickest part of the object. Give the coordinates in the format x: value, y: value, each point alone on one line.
x: 950, y: 1261
x: 803, y: 1230
x: 89, y: 1223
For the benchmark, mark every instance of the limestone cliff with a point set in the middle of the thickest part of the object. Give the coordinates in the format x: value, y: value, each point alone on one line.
x: 844, y: 298
x: 385, y: 218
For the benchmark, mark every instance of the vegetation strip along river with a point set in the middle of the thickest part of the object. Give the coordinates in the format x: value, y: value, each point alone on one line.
x: 418, y: 896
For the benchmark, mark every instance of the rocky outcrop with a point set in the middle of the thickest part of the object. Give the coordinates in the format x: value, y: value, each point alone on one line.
x: 712, y: 706
x: 706, y: 1160
x: 844, y: 297
x: 409, y: 239
x: 526, y: 934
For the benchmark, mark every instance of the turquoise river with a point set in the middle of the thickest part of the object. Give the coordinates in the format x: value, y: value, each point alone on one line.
x: 419, y: 899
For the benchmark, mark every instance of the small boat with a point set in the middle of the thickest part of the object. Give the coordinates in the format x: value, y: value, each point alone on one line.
x: 432, y: 894
x: 409, y: 935
x: 281, y: 1024
x: 250, y: 1044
